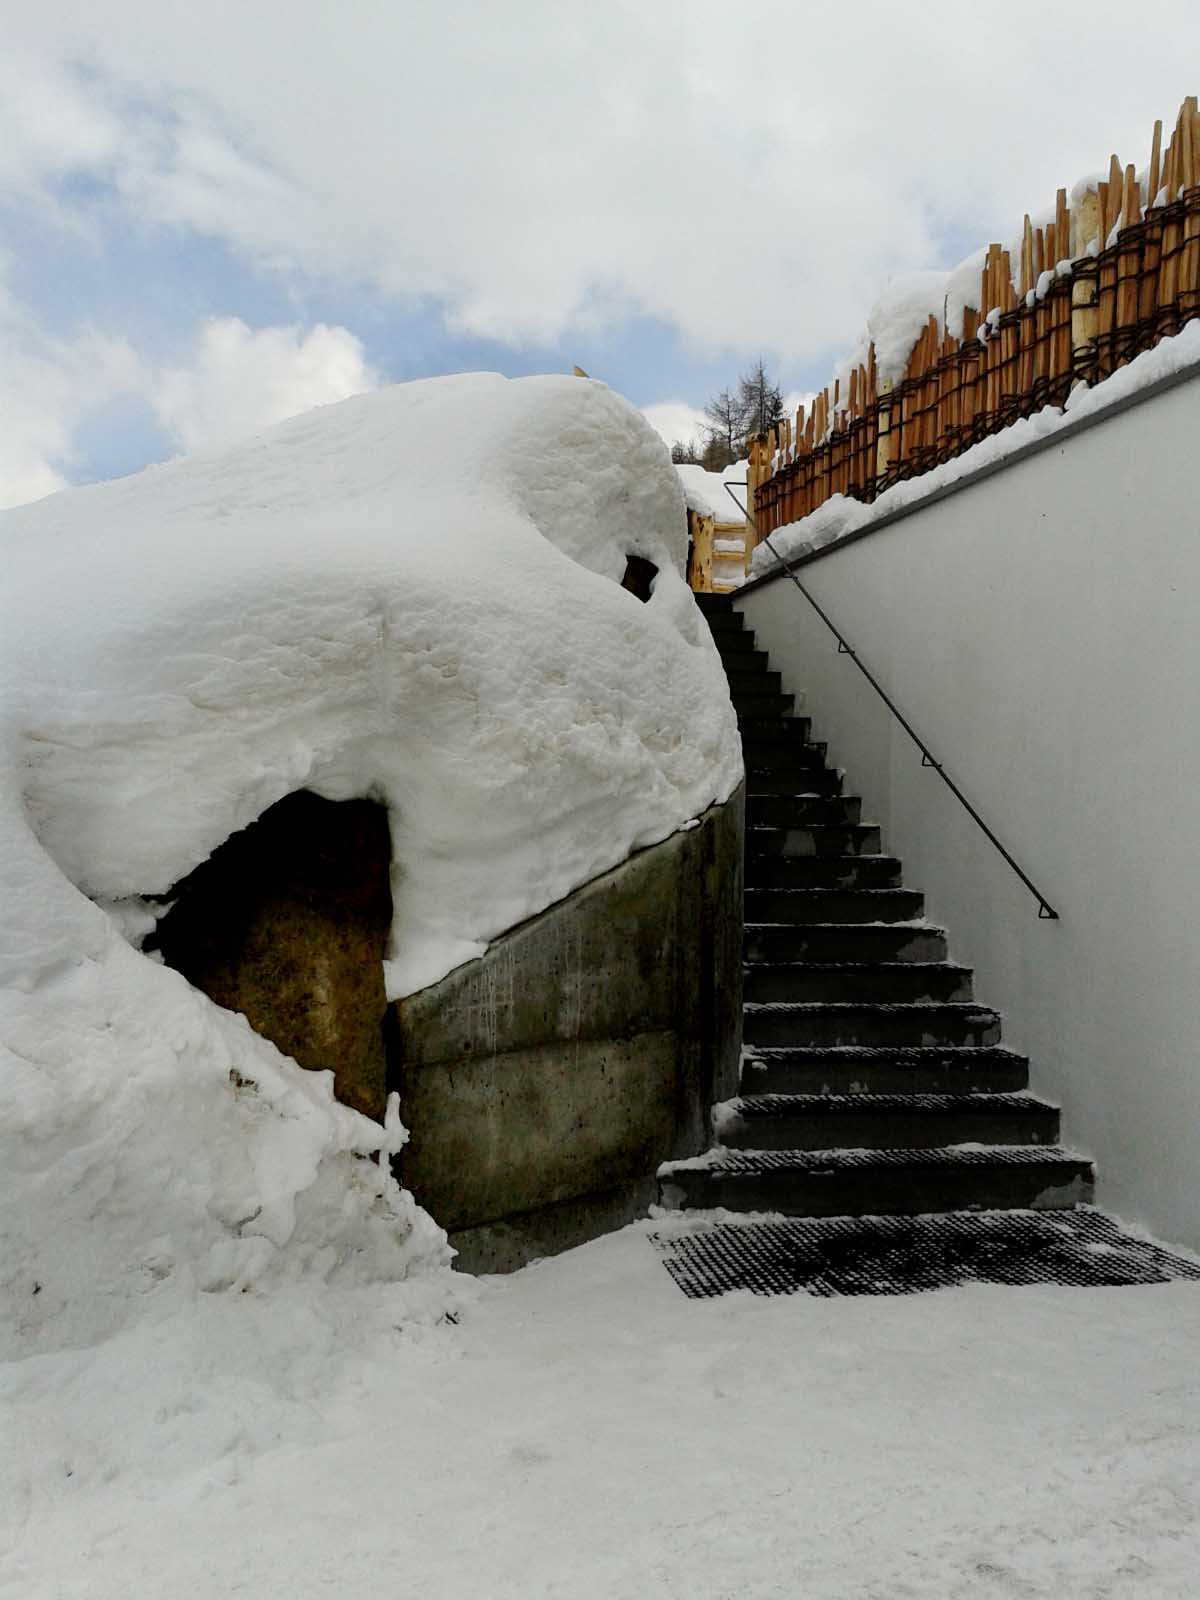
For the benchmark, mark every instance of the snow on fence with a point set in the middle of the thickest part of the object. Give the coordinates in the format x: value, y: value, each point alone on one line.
x: 718, y: 545
x: 1106, y: 278
x: 718, y: 553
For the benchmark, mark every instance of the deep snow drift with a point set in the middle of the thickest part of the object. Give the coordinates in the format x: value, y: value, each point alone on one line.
x: 413, y: 595
x: 705, y: 491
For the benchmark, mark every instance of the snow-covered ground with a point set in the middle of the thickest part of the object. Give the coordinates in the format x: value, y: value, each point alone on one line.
x: 584, y: 1430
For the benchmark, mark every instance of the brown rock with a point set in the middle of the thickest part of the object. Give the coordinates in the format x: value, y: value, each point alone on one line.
x: 287, y: 922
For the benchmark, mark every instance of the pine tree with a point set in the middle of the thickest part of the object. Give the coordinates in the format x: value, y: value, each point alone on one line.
x: 717, y: 455
x: 759, y: 399
x: 727, y: 419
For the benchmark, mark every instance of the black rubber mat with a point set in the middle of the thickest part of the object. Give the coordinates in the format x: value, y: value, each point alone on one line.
x: 908, y: 1255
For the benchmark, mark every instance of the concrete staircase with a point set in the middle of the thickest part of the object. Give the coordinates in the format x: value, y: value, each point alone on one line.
x: 872, y: 1082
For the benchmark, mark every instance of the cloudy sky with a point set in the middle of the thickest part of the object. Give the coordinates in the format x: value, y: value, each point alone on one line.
x: 212, y: 216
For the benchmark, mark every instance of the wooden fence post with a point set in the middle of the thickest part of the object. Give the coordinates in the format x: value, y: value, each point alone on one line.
x: 1086, y: 222
x: 700, y: 567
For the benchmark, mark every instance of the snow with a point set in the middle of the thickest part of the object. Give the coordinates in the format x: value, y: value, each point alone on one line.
x: 583, y: 1429
x: 898, y: 318
x: 413, y: 595
x: 840, y: 516
x: 706, y: 495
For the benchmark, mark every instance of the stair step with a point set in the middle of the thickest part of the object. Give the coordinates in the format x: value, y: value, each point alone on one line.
x: 754, y: 680
x: 835, y: 982
x: 801, y: 810
x: 862, y: 1069
x: 785, y: 749
x: 772, y: 735
x: 871, y: 1083
x: 793, y: 778
x: 756, y: 707
x: 820, y: 872
x: 714, y: 605
x: 749, y: 661
x: 797, y: 906
x: 841, y: 942
x: 855, y: 1183
x: 882, y: 1121
x: 725, y: 622
x: 858, y: 1022
x: 818, y: 839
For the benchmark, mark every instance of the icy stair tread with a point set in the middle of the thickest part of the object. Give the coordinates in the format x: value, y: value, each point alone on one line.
x: 882, y: 1069
x: 899, y: 1120
x: 890, y: 1182
x: 776, y: 1105
x: 722, y: 1158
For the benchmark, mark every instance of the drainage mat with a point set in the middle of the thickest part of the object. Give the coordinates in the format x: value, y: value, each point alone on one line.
x: 907, y: 1255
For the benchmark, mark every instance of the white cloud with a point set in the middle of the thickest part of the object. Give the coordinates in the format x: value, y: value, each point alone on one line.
x: 540, y: 165
x: 48, y: 389
x: 231, y: 380
x: 676, y: 420
x: 237, y: 379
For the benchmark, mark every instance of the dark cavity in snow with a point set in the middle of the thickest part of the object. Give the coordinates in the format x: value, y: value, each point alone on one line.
x: 287, y: 922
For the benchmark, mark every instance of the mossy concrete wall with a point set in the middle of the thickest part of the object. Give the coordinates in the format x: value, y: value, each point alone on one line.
x: 544, y: 1083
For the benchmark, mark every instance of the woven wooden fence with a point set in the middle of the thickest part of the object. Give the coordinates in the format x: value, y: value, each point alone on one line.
x: 1105, y: 280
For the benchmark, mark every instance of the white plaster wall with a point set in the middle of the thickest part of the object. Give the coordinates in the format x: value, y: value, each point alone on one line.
x: 1041, y: 629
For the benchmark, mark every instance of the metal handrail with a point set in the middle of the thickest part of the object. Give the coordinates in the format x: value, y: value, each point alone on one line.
x: 1045, y: 910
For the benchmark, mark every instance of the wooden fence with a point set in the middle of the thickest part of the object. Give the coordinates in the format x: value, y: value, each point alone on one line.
x: 718, y: 553
x: 1102, y: 282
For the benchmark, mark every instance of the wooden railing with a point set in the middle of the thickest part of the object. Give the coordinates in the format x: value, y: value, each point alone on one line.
x: 1105, y: 280
x: 718, y: 552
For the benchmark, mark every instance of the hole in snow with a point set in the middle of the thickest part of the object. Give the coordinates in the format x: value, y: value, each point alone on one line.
x: 639, y: 577
x: 287, y: 922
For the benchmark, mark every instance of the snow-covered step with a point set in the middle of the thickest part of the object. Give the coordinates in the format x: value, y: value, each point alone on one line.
x: 831, y: 905
x: 886, y: 982
x: 831, y: 1183
x: 790, y: 1023
x: 882, y: 1069
x: 803, y: 810
x: 819, y: 839
x: 794, y: 780
x: 882, y: 1121
x: 823, y: 872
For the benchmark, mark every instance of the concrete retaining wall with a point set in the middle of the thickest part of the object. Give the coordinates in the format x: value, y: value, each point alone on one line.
x: 544, y: 1083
